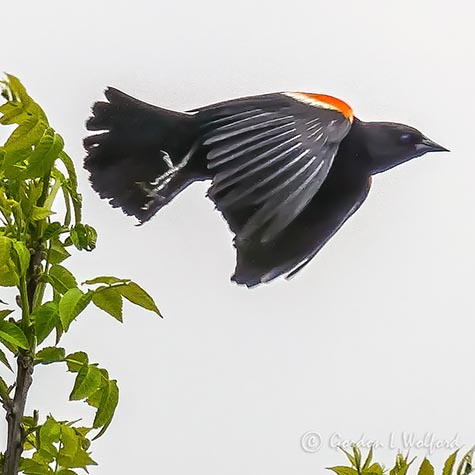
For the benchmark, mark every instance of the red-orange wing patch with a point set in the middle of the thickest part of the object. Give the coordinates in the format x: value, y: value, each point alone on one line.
x: 322, y: 100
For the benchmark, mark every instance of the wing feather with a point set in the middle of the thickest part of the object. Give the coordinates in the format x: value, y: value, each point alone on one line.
x: 232, y: 176
x: 240, y: 193
x: 297, y: 201
x: 272, y: 157
x: 231, y: 130
x: 222, y: 153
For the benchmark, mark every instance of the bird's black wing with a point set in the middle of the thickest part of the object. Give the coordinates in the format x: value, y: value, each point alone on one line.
x: 299, y: 243
x: 270, y: 155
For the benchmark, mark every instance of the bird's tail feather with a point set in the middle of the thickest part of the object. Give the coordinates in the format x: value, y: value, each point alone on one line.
x: 138, y: 159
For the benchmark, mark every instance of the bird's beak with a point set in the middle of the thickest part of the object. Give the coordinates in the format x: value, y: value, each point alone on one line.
x: 430, y: 146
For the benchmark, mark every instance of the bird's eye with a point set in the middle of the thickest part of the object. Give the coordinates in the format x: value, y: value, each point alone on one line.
x: 405, y: 138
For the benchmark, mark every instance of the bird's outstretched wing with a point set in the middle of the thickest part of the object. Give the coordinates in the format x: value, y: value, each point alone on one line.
x: 270, y: 155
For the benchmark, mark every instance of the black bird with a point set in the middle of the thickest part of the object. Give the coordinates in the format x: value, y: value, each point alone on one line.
x: 286, y: 169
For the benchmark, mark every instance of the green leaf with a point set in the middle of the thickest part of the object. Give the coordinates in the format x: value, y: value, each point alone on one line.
x: 18, y: 90
x: 44, y: 155
x: 105, y: 279
x: 374, y: 469
x: 51, y: 354
x: 349, y: 456
x: 11, y: 348
x: 61, y: 279
x: 45, y: 319
x: 75, y: 361
x: 57, y: 252
x: 11, y: 333
x: 10, y: 111
x: 84, y: 237
x: 357, y: 455
x: 30, y: 442
x: 105, y: 374
x: 449, y: 464
x: 50, y: 431
x: 81, y: 460
x: 4, y: 360
x: 7, y: 205
x: 4, y: 313
x: 72, y: 303
x: 23, y: 255
x: 39, y: 213
x: 69, y: 441
x: 32, y: 467
x: 5, y: 249
x: 109, y: 299
x: 400, y: 466
x: 87, y: 382
x: 8, y: 273
x: 45, y: 454
x: 369, y: 458
x: 83, y: 431
x: 13, y: 163
x: 53, y: 230
x: 426, y: 468
x: 27, y: 134
x: 4, y: 393
x: 135, y: 294
x: 341, y: 470
x: 107, y: 407
x: 66, y: 471
x: 95, y: 399
x: 465, y: 465
x: 29, y: 422
x: 70, y: 186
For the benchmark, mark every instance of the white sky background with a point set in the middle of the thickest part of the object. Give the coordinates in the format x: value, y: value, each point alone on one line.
x: 374, y: 337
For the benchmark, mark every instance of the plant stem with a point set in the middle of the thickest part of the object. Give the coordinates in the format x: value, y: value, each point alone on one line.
x: 16, y: 411
x: 25, y: 304
x: 32, y: 284
x: 16, y: 435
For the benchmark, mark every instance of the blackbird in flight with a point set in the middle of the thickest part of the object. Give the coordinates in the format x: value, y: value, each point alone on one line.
x: 286, y: 169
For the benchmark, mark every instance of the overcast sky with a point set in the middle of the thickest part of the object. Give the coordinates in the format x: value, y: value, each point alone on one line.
x: 373, y: 338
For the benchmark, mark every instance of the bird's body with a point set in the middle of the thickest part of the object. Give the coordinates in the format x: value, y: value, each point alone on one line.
x: 286, y: 169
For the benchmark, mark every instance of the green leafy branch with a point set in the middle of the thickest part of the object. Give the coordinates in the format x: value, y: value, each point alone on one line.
x: 402, y: 464
x: 35, y: 240
x: 58, y: 447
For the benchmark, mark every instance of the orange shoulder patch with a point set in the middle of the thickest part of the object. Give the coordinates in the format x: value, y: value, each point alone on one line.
x: 323, y: 101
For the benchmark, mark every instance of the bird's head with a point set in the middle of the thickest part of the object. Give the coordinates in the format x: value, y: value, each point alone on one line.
x: 390, y: 144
